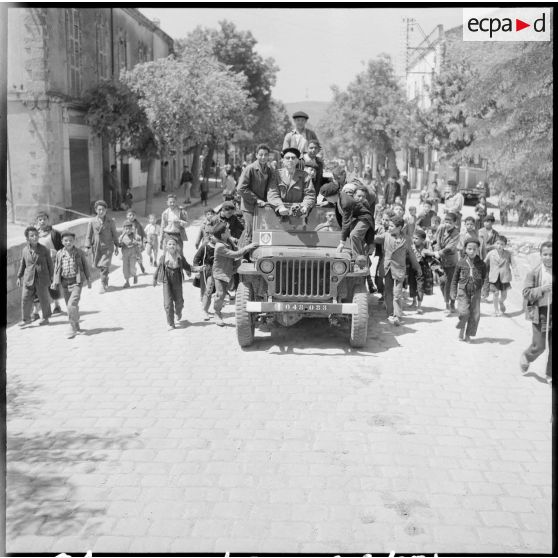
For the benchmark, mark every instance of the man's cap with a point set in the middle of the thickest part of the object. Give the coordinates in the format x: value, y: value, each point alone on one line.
x: 219, y: 229
x: 228, y: 205
x: 404, y: 174
x: 490, y: 217
x: 101, y: 202
x: 452, y: 183
x: 293, y: 150
x: 349, y: 187
x: 67, y: 233
x: 171, y: 196
x: 300, y: 114
x: 329, y: 189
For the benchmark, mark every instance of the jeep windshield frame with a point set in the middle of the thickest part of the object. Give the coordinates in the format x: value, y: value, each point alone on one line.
x: 309, y: 230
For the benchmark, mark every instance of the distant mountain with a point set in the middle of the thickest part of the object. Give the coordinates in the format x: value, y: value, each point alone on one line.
x: 316, y: 110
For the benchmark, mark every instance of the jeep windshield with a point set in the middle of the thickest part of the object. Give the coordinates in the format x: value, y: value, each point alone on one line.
x: 318, y: 228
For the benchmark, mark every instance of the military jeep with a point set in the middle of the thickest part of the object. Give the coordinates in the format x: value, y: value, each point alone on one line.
x: 296, y: 272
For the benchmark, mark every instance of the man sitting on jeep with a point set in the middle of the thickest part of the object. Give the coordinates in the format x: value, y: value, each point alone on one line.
x: 290, y: 185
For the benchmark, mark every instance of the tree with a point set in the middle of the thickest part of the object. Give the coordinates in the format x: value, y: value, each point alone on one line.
x: 370, y: 114
x: 193, y: 99
x: 237, y: 50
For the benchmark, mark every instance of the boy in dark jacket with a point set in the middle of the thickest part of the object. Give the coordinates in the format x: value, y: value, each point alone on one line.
x: 170, y: 272
x: 36, y: 270
x: 466, y: 286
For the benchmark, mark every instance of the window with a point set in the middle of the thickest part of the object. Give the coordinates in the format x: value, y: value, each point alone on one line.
x: 73, y: 50
x: 102, y: 47
x: 122, y: 51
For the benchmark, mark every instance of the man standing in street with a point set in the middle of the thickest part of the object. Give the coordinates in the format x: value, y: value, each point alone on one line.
x: 392, y: 190
x: 252, y: 187
x: 405, y: 187
x: 114, y: 188
x: 300, y: 137
x: 453, y: 201
x: 186, y: 180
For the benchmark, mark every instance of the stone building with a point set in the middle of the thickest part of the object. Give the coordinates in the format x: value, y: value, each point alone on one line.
x: 54, y: 56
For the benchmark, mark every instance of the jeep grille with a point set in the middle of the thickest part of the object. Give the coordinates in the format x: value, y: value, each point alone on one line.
x: 303, y: 278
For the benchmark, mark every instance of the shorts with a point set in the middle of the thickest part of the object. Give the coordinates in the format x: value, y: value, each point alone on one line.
x: 499, y: 286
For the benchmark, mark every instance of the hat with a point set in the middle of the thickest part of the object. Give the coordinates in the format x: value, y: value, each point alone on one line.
x: 490, y: 217
x: 67, y: 233
x: 127, y: 223
x: 291, y: 150
x: 349, y: 187
x: 101, y: 202
x: 300, y: 114
x: 228, y: 205
x: 219, y: 229
x: 171, y: 196
x: 452, y: 183
x: 329, y: 189
x: 451, y: 215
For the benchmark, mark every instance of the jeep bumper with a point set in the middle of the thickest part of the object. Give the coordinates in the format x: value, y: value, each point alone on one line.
x: 324, y: 308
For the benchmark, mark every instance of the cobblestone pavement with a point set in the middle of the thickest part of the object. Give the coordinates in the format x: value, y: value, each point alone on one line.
x: 134, y: 439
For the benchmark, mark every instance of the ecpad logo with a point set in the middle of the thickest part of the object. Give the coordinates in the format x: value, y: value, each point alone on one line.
x: 506, y: 24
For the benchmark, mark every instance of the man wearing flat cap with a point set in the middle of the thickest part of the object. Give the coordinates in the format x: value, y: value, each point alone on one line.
x: 301, y: 135
x: 102, y: 240
x: 253, y: 185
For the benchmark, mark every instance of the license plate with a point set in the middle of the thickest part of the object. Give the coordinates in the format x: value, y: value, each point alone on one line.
x: 306, y: 307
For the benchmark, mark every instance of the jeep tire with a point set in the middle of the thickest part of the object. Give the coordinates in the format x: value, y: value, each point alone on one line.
x: 245, y: 321
x: 359, y: 321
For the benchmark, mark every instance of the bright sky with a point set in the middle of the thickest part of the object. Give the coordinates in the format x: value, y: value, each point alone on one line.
x: 315, y: 48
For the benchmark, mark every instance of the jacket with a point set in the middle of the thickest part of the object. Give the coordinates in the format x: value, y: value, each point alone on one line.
x: 223, y: 263
x: 348, y: 212
x: 463, y: 272
x: 397, y: 252
x: 392, y: 190
x: 159, y: 274
x: 499, y: 266
x: 35, y: 265
x: 253, y: 185
x: 487, y: 240
x: 103, y: 239
x: 82, y: 266
x: 533, y: 293
x: 283, y: 189
x: 446, y: 244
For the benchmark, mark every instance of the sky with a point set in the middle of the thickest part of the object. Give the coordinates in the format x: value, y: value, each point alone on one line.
x: 315, y: 48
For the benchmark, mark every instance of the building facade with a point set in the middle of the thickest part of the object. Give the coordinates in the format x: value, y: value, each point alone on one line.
x: 55, y: 55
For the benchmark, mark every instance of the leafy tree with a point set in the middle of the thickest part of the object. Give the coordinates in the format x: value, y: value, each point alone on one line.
x: 370, y: 114
x: 237, y: 50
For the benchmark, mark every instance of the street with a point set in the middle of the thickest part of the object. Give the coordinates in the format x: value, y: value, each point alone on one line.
x: 135, y: 439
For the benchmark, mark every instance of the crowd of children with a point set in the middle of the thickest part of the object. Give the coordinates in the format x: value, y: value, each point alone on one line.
x: 413, y: 250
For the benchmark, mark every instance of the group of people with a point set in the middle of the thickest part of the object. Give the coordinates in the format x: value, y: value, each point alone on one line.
x: 405, y: 248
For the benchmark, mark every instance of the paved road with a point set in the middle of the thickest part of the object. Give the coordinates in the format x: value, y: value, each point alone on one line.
x: 134, y: 439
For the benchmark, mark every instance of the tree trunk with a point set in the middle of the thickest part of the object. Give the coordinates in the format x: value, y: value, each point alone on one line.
x: 150, y: 185
x: 196, y: 169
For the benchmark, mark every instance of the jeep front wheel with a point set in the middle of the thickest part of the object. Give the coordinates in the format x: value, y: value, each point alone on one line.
x: 359, y: 321
x: 245, y: 321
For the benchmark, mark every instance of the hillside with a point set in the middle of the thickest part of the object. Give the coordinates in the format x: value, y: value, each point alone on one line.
x: 316, y: 110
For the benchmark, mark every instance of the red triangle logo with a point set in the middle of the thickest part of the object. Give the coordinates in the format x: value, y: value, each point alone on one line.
x: 519, y: 25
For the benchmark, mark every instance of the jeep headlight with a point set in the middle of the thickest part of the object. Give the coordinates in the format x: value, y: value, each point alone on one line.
x: 266, y: 266
x: 339, y: 267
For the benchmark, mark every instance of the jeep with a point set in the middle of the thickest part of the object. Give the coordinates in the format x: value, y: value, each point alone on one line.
x: 297, y: 272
